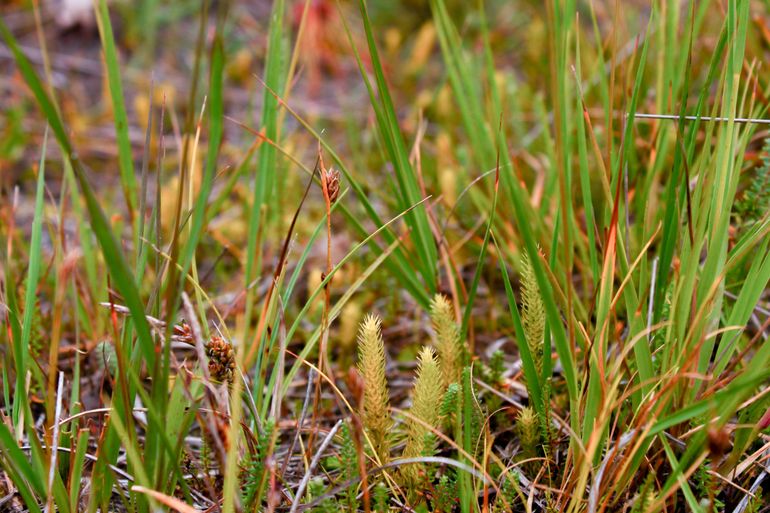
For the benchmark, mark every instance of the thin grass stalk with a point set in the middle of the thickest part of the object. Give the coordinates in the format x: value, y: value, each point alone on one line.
x: 264, y: 179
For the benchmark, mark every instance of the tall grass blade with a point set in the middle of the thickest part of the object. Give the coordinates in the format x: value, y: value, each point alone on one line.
x: 21, y: 347
x: 125, y: 159
x: 408, y: 185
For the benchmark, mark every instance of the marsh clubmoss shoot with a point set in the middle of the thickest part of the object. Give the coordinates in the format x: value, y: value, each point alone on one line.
x: 349, y: 465
x: 381, y: 498
x: 447, y: 339
x: 375, y: 412
x: 527, y: 426
x: 533, y: 312
x: 424, y: 413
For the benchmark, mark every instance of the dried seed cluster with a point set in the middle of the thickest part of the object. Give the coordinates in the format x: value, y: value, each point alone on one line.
x: 183, y: 333
x: 221, y: 359
x: 332, y: 178
x: 219, y: 352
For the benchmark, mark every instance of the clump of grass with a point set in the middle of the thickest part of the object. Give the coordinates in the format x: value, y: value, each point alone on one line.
x: 450, y: 349
x: 375, y: 412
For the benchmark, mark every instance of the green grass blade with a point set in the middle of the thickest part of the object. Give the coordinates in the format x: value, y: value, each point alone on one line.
x: 264, y: 179
x: 408, y: 185
x: 78, y: 462
x: 125, y: 159
x: 18, y: 467
x: 21, y: 347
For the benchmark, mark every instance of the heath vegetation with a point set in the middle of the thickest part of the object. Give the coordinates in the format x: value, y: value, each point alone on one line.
x: 364, y: 255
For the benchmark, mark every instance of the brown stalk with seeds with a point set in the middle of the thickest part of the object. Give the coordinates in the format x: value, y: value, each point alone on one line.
x: 330, y: 186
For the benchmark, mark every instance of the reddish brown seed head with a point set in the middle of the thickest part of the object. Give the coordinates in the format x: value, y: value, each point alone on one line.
x: 183, y: 333
x: 221, y: 359
x: 332, y: 178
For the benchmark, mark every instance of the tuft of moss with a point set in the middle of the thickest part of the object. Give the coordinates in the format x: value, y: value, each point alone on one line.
x: 510, y: 497
x: 317, y: 488
x: 449, y: 404
x: 496, y: 367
